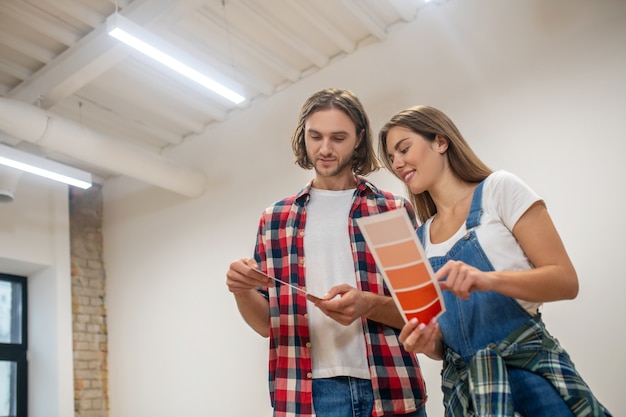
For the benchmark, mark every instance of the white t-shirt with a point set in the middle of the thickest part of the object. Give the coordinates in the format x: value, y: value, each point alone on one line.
x: 505, y: 199
x: 336, y: 350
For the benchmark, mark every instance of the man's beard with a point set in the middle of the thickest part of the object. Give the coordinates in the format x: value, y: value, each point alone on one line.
x: 331, y: 172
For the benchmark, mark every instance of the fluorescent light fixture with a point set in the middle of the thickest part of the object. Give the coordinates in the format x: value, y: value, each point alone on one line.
x: 48, y: 168
x: 139, y: 38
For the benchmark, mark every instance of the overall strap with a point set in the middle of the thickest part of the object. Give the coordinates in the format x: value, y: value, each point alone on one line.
x: 420, y: 234
x: 473, y: 217
x: 476, y: 209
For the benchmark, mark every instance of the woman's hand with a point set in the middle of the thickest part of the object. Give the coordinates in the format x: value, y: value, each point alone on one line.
x: 421, y: 338
x: 552, y: 276
x: 461, y: 279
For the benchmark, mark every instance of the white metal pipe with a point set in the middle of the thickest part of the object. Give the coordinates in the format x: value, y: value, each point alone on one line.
x: 26, y: 122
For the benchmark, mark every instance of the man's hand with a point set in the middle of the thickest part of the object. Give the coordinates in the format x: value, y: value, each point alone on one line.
x: 344, y: 304
x: 241, y: 277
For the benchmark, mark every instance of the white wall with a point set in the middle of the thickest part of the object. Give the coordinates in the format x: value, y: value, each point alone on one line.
x: 537, y: 87
x: 34, y: 242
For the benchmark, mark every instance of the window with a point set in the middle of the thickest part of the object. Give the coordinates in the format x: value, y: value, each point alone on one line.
x: 13, y: 346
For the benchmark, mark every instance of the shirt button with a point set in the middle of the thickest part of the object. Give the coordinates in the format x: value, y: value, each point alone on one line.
x: 308, y: 344
x: 301, y: 261
x: 306, y: 315
x: 301, y: 233
x: 309, y: 375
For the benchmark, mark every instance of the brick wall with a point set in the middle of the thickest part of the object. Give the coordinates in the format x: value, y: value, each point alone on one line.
x: 88, y: 308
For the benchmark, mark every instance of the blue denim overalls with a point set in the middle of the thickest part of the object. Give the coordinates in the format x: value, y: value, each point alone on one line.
x: 489, y: 317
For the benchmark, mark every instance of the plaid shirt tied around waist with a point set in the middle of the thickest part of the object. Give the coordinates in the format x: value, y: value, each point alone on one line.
x: 481, y: 387
x: 395, y: 374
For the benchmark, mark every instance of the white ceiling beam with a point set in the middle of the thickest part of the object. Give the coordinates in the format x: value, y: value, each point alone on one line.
x: 259, y: 52
x: 407, y: 10
x: 183, y: 9
x: 152, y: 138
x: 120, y: 3
x: 284, y: 33
x: 143, y: 12
x: 71, y: 70
x: 25, y: 47
x: 84, y: 61
x: 16, y: 71
x: 31, y: 16
x: 310, y: 13
x: 79, y: 11
x: 372, y: 24
x: 178, y: 96
x: 197, y: 98
x: 241, y: 75
x: 176, y: 11
x: 180, y: 10
x: 218, y: 62
x: 156, y: 120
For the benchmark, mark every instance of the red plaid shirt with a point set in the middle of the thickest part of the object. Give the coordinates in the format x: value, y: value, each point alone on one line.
x: 396, y: 377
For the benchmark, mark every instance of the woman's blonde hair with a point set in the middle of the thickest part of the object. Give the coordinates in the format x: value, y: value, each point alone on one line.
x: 364, y: 159
x: 430, y: 122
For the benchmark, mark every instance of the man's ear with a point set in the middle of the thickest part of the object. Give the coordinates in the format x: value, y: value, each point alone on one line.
x: 359, y: 138
x: 441, y: 143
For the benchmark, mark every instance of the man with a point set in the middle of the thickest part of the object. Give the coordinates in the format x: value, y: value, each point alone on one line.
x: 339, y: 356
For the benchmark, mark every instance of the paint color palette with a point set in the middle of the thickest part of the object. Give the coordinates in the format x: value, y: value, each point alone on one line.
x: 400, y: 258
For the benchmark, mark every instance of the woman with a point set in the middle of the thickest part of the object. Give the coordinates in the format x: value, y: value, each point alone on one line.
x: 498, y: 257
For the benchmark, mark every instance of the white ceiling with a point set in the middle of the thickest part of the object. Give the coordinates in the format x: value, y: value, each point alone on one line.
x: 56, y: 55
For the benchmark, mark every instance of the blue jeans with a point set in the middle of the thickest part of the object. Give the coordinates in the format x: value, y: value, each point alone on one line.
x: 534, y: 396
x: 345, y: 396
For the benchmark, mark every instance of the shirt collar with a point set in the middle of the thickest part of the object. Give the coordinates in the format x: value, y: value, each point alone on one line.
x: 363, y: 186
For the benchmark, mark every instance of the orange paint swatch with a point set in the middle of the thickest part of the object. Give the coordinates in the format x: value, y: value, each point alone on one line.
x: 400, y: 257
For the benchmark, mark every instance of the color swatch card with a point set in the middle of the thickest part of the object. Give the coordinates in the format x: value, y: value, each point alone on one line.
x: 400, y: 257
